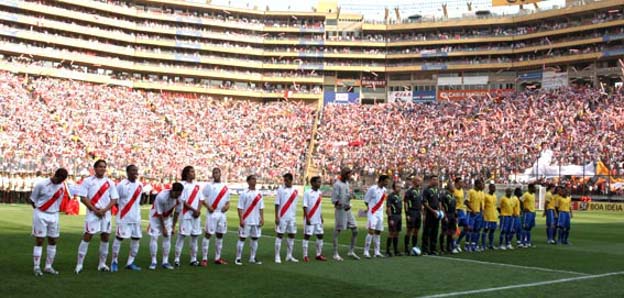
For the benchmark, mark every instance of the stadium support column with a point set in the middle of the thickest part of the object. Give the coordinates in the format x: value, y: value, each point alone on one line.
x: 595, y: 80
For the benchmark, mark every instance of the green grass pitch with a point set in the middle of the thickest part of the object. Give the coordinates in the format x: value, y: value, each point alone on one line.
x: 592, y: 266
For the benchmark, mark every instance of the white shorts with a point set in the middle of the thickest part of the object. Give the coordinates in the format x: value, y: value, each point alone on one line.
x: 128, y: 230
x: 94, y: 224
x: 190, y: 227
x: 155, y: 228
x: 375, y: 223
x: 253, y: 231
x: 216, y: 223
x: 45, y: 224
x: 313, y: 229
x: 286, y: 226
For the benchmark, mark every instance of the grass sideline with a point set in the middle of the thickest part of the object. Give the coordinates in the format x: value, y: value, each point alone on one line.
x: 596, y: 250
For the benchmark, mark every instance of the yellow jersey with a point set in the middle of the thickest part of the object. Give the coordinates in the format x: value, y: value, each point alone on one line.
x: 528, y: 202
x: 459, y: 199
x: 475, y: 199
x: 551, y: 200
x: 515, y: 205
x: 506, y: 206
x: 489, y: 208
x: 564, y: 204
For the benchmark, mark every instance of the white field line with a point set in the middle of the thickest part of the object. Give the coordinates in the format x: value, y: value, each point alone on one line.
x: 527, y: 285
x: 510, y: 265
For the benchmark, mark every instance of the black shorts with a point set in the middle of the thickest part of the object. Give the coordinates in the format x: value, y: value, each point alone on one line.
x: 413, y: 221
x: 394, y: 223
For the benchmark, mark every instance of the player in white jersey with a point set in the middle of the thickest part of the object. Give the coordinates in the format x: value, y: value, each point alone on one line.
x: 128, y: 218
x: 374, y: 199
x: 285, y: 209
x: 313, y: 219
x: 251, y: 220
x: 217, y: 201
x: 190, y: 224
x: 46, y: 199
x: 99, y: 195
x: 163, y: 218
x: 344, y: 219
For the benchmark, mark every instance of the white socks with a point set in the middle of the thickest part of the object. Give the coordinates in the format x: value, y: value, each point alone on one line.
x: 37, y: 256
x: 239, y: 249
x: 254, y: 248
x: 218, y: 247
x: 304, y: 245
x: 367, y: 243
x: 134, y: 250
x: 278, y: 247
x: 290, y: 243
x: 82, y: 251
x: 205, y: 246
x: 319, y: 247
x: 166, y: 244
x: 377, y: 240
x: 153, y: 246
x: 51, y: 254
x: 193, y: 248
x: 178, y: 248
x: 103, y: 253
x: 116, y: 247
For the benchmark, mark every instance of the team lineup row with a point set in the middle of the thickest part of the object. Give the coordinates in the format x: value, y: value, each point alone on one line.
x: 182, y: 205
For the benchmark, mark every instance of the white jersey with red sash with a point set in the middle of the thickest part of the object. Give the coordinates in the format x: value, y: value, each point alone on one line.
x: 216, y: 195
x: 129, y: 201
x: 192, y: 196
x: 312, y: 203
x: 48, y: 196
x: 375, y: 198
x: 251, y: 202
x: 287, y: 201
x: 99, y: 191
x: 164, y: 206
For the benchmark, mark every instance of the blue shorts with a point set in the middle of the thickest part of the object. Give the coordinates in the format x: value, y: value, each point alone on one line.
x: 550, y: 218
x: 475, y: 222
x: 564, y: 220
x: 489, y: 225
x: 517, y: 225
x: 462, y: 219
x: 528, y: 221
x: 506, y: 224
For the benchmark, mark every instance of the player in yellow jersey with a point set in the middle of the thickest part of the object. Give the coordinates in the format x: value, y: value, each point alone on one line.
x: 564, y: 208
x: 516, y: 226
x: 505, y: 208
x: 475, y: 222
x: 462, y: 217
x: 549, y: 212
x: 528, y: 218
x: 489, y: 217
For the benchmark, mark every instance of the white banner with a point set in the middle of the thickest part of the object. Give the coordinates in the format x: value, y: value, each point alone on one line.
x: 342, y: 97
x: 553, y: 80
x: 449, y: 81
x: 402, y: 96
x: 478, y: 80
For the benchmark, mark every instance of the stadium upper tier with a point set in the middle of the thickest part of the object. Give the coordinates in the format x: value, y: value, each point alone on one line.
x: 190, y: 47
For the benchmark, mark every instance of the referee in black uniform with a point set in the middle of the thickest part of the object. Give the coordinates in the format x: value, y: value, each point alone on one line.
x: 394, y: 210
x: 431, y: 202
x: 413, y: 213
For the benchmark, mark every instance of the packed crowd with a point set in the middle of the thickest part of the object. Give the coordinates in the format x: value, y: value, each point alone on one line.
x: 46, y: 123
x: 491, y: 137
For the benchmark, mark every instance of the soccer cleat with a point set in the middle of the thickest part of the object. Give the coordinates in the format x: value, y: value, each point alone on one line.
x: 220, y: 262
x: 338, y: 258
x: 176, y: 264
x: 194, y: 264
x: 255, y: 261
x: 367, y: 255
x: 291, y: 259
x: 353, y: 255
x: 379, y: 256
x: 37, y: 271
x: 114, y: 267
x: 50, y: 270
x: 455, y: 251
x: 204, y: 263
x: 503, y: 247
x: 78, y: 269
x: 238, y: 262
x: 103, y: 268
x: 459, y: 249
x: 510, y: 247
x: 306, y: 259
x: 152, y: 266
x: 167, y: 266
x: 133, y: 267
x: 398, y: 254
x: 321, y: 258
x: 278, y: 260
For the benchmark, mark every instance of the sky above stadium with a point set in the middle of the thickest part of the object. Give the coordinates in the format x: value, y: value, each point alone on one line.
x: 374, y: 9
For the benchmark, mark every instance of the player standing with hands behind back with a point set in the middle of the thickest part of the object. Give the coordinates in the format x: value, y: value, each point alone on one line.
x: 374, y: 199
x: 313, y: 219
x: 251, y: 220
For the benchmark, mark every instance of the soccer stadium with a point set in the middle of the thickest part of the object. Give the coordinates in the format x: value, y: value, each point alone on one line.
x: 425, y: 148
